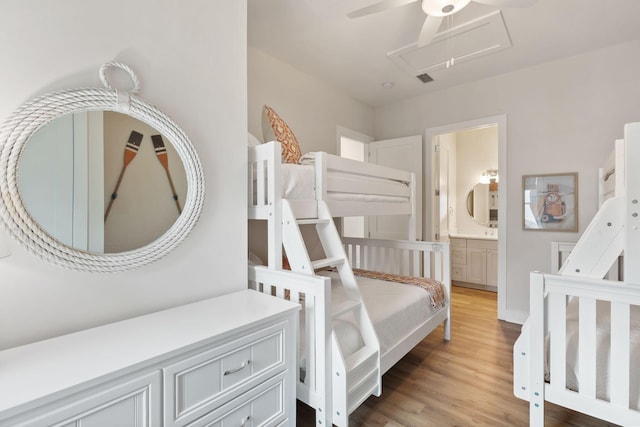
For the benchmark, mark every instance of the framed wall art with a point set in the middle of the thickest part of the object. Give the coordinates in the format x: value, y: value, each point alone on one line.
x: 550, y: 202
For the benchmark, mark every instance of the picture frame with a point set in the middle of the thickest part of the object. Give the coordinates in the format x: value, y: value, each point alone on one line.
x: 550, y: 202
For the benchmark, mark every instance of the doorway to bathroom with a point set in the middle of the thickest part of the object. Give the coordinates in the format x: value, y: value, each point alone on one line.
x: 468, y: 199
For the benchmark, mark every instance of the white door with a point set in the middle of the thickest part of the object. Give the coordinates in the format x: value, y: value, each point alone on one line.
x: 441, y: 192
x: 405, y: 154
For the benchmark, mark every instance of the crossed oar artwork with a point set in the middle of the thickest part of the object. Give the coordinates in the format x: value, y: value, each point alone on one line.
x: 161, y: 153
x: 130, y: 152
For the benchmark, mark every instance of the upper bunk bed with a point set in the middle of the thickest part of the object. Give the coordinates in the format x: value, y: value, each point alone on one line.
x: 348, y: 187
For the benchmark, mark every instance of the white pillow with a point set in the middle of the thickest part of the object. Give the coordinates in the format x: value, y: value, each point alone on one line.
x: 253, y: 140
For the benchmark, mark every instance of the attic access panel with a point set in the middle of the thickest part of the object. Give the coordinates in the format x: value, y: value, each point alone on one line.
x: 471, y: 40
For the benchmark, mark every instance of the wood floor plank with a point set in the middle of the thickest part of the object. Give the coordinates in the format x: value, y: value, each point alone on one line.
x: 467, y: 381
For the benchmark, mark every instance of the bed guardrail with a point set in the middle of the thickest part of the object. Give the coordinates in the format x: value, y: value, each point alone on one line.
x: 577, y: 337
x: 313, y: 293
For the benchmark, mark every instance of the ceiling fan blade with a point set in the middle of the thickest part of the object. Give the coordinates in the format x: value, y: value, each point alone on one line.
x: 507, y: 3
x: 429, y: 30
x: 378, y: 7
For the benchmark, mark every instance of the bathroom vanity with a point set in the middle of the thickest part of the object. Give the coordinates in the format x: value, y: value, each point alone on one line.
x: 474, y: 261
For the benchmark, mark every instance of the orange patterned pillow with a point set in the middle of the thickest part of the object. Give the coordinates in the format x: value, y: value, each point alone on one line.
x: 275, y: 129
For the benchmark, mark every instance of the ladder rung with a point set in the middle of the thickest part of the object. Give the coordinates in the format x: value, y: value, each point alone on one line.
x: 360, y: 357
x: 312, y: 221
x: 362, y: 393
x: 344, y: 307
x: 327, y: 262
x: 370, y: 376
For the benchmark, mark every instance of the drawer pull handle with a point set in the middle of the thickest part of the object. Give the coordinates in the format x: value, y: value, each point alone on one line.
x: 240, y: 368
x: 245, y: 420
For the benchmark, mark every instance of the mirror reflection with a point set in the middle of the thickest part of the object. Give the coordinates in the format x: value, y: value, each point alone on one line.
x: 73, y: 168
x: 482, y: 204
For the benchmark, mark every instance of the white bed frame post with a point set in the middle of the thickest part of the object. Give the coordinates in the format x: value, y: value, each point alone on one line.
x: 632, y: 211
x: 536, y: 349
x: 413, y: 226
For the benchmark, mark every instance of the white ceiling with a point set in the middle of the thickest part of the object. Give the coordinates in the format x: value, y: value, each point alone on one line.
x: 316, y: 37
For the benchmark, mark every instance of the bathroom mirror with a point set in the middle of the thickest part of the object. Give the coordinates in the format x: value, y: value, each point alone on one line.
x: 482, y: 204
x: 182, y: 181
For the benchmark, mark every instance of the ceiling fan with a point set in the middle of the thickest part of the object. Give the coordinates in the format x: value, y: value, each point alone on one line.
x: 436, y: 10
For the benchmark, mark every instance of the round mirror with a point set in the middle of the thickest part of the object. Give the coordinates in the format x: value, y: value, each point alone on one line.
x: 129, y: 128
x: 96, y: 181
x: 482, y: 204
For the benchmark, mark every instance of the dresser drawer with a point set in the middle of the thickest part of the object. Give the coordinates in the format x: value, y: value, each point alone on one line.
x: 134, y: 403
x: 199, y: 384
x: 261, y: 406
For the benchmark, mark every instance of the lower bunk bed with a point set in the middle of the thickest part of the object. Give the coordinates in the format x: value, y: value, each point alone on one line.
x: 580, y: 347
x: 329, y: 341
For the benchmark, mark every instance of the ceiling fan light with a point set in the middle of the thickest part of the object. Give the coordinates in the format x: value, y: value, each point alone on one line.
x: 443, y: 7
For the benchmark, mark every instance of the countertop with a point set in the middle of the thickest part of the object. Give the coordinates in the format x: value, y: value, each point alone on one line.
x: 473, y: 236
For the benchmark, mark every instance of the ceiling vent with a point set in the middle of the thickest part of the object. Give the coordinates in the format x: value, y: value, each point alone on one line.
x: 471, y: 40
x: 425, y: 78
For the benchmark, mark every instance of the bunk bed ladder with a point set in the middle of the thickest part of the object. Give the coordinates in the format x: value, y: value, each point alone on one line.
x: 355, y: 376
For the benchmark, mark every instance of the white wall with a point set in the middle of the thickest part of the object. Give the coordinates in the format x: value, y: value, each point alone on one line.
x: 191, y: 60
x: 562, y: 116
x: 312, y: 109
x: 309, y: 106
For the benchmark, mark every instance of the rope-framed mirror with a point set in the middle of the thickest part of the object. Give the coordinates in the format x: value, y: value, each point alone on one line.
x: 24, y: 123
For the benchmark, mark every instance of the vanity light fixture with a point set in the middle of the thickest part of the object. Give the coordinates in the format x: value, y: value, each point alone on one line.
x: 489, y: 175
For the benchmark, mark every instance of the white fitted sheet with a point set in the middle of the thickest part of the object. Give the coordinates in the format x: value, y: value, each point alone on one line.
x: 395, y: 309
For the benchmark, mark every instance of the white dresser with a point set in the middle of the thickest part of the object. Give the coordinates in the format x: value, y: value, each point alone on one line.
x: 226, y: 361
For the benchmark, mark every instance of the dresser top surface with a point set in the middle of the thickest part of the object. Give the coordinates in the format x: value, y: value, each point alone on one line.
x: 38, y: 369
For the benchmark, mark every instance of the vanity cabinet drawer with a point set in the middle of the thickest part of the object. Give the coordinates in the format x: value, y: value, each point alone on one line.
x: 458, y: 243
x: 199, y: 384
x: 458, y: 255
x: 459, y: 272
x: 261, y: 406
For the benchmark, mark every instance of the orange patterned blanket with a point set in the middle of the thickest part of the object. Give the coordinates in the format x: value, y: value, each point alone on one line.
x: 436, y: 290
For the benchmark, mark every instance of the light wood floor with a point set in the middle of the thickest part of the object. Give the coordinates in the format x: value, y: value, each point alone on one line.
x: 464, y: 382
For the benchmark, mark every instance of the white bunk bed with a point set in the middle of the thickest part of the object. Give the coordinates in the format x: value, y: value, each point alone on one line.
x: 580, y: 347
x: 344, y: 346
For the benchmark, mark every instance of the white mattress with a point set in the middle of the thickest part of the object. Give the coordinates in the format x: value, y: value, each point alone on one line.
x: 603, y: 339
x: 298, y: 182
x: 395, y: 309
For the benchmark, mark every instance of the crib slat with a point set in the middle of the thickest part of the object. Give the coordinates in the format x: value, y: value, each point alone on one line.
x: 620, y: 358
x: 586, y: 346
x: 558, y: 342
